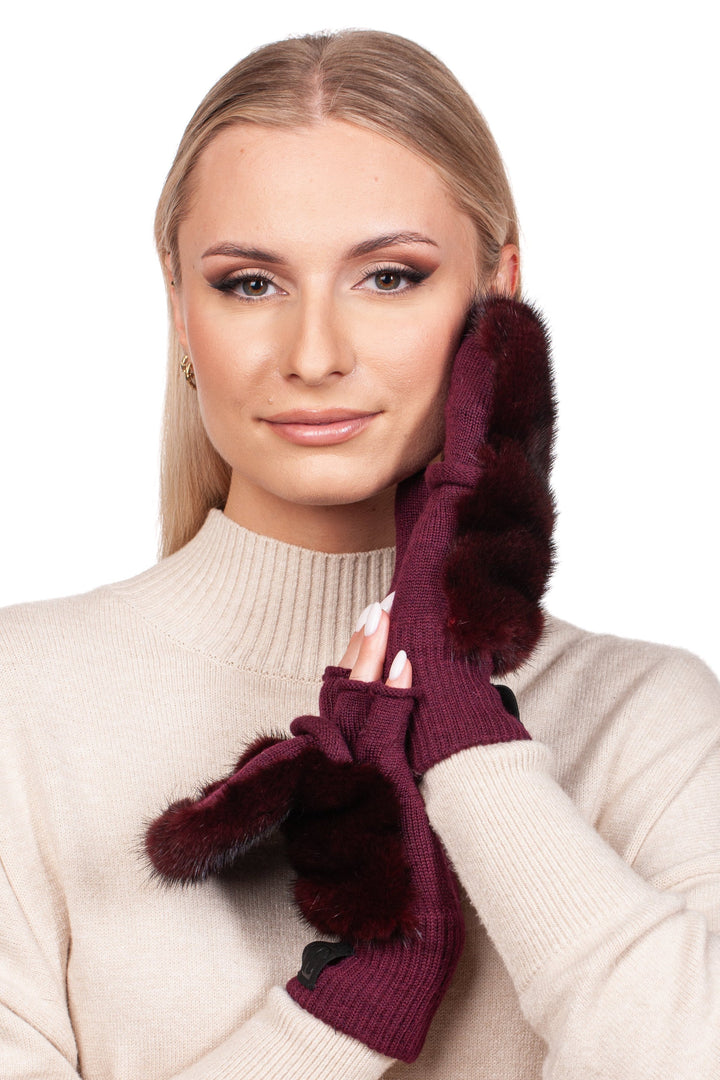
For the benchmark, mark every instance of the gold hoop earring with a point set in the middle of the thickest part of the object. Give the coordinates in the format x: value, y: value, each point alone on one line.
x: 188, y: 370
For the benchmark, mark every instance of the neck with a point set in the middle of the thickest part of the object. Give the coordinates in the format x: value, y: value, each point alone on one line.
x: 335, y: 529
x: 244, y: 599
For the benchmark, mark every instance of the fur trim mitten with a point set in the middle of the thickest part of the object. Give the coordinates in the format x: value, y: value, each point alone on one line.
x: 369, y: 867
x: 339, y: 814
x: 388, y: 991
x: 474, y: 538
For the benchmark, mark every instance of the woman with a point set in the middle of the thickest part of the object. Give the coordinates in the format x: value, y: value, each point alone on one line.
x: 335, y: 207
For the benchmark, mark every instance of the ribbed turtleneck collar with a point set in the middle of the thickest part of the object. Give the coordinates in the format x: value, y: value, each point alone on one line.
x: 256, y: 603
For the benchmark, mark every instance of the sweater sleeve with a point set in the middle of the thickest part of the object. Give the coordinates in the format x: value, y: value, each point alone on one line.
x: 281, y: 1041
x: 36, y: 1036
x: 616, y: 963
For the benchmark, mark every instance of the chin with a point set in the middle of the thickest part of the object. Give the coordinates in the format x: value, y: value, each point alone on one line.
x: 346, y: 494
x: 347, y: 485
x: 264, y: 499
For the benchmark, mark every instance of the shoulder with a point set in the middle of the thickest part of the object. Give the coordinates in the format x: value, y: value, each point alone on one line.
x: 47, y: 612
x: 44, y: 627
x: 629, y: 722
x: 594, y: 674
x: 52, y: 644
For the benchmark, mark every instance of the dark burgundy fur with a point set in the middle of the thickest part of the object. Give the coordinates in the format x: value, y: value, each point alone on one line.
x: 344, y: 842
x: 341, y: 823
x: 197, y: 837
x: 256, y: 747
x: 502, y: 558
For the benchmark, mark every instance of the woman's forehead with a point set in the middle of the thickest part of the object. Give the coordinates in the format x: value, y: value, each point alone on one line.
x: 332, y: 180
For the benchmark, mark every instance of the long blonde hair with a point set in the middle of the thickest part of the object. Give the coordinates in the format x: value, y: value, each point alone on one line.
x: 373, y: 79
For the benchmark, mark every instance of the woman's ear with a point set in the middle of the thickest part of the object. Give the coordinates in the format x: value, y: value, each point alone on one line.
x: 176, y: 301
x: 508, y: 273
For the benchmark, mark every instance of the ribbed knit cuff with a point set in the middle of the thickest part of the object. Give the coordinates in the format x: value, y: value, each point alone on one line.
x: 459, y: 709
x: 387, y: 994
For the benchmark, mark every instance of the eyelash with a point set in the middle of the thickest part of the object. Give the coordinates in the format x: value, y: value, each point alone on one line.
x: 231, y: 284
x: 412, y: 276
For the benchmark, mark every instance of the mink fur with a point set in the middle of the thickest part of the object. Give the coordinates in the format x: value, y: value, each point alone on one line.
x: 345, y: 844
x: 194, y: 838
x: 500, y: 563
x: 341, y: 823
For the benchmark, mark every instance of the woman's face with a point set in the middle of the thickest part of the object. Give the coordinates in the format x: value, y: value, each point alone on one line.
x: 325, y: 279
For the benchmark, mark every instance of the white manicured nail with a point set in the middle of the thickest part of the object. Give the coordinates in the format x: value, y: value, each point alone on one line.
x: 373, y: 619
x: 361, y: 620
x: 387, y: 603
x: 397, y: 665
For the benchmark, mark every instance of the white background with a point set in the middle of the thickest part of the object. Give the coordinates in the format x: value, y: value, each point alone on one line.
x: 607, y: 119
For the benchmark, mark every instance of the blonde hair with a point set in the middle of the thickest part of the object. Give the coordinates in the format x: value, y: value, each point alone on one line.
x: 373, y: 79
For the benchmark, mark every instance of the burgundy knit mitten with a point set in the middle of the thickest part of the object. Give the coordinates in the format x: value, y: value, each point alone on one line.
x: 388, y: 991
x: 340, y: 817
x: 369, y: 868
x: 474, y: 538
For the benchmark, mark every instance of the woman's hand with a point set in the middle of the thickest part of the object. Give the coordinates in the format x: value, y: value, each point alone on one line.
x: 365, y: 654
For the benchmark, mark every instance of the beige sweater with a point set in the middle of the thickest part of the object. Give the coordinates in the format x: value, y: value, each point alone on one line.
x: 590, y: 856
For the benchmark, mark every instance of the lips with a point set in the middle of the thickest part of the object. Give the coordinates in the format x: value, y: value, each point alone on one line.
x: 319, y: 427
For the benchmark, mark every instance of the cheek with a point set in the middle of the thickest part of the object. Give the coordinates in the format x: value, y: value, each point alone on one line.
x: 420, y: 364
x: 229, y: 359
x: 212, y: 343
x: 228, y: 370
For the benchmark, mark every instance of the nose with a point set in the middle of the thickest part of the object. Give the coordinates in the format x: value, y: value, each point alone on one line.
x: 318, y: 348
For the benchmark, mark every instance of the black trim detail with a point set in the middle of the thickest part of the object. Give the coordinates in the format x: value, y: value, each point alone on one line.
x: 316, y: 957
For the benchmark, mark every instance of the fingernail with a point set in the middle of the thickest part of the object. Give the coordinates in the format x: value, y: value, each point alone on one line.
x: 397, y: 665
x: 387, y: 603
x: 373, y: 619
x: 361, y: 620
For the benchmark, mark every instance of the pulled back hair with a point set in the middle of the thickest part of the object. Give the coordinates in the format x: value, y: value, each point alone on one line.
x: 375, y: 80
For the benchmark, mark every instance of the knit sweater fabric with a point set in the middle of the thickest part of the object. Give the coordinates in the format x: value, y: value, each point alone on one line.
x: 589, y: 857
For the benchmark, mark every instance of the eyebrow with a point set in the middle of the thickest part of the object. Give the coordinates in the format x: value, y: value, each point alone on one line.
x: 388, y: 240
x: 365, y: 247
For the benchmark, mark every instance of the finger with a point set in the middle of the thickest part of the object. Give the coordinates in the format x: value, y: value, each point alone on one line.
x: 387, y: 603
x: 400, y: 673
x: 371, y: 655
x: 351, y: 653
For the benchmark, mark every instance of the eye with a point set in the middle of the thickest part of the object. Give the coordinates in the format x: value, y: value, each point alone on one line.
x: 391, y: 279
x: 388, y: 280
x: 248, y: 286
x: 253, y: 286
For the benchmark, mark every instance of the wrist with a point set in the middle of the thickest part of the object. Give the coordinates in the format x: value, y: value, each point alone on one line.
x: 386, y: 994
x: 458, y: 708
